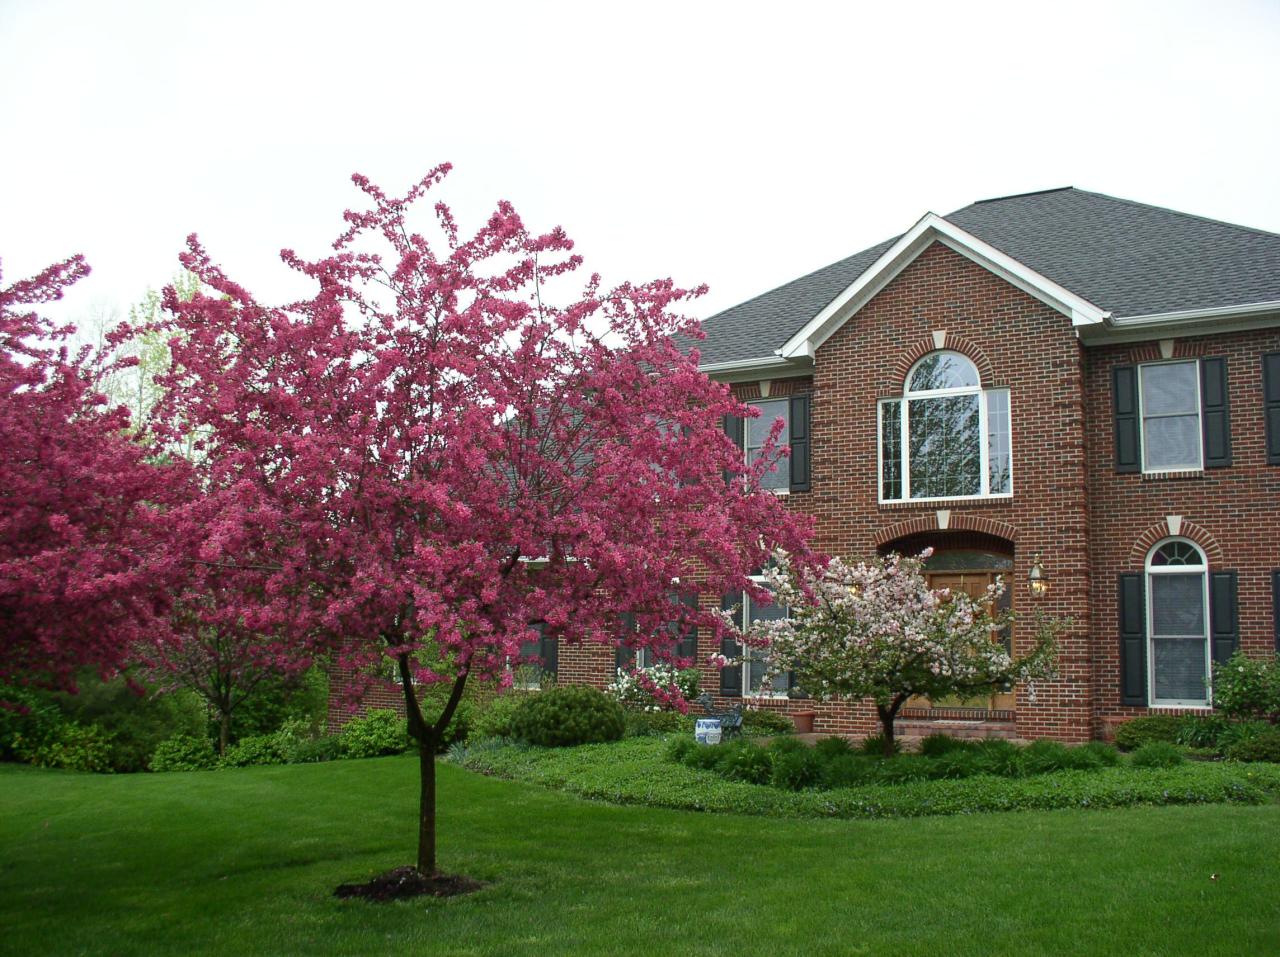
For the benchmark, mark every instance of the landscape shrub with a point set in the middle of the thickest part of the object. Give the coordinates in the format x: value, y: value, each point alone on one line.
x: 795, y: 769
x: 76, y: 747
x: 136, y: 717
x: 493, y: 718
x: 1106, y: 756
x: 642, y: 723
x: 628, y: 691
x: 874, y: 744
x: 956, y: 763
x: 1264, y: 746
x: 745, y: 762
x: 1158, y: 754
x: 275, y: 700
x: 677, y: 749
x: 904, y: 767
x: 760, y: 722
x: 833, y: 747
x: 1202, y: 730
x: 848, y: 771
x: 1144, y: 729
x: 1245, y: 687
x: 29, y: 719
x: 311, y: 750
x: 571, y: 715
x: 996, y: 756
x: 381, y: 731
x: 937, y: 744
x: 253, y: 749
x: 1043, y: 756
x: 184, y: 752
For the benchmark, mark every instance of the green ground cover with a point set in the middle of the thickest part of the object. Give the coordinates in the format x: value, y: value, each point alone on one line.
x: 243, y: 862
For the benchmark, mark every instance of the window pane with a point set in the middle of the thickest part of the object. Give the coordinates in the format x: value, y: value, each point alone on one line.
x: 943, y: 370
x: 1169, y: 389
x: 1177, y: 605
x: 758, y: 431
x: 945, y: 446
x: 756, y: 664
x: 1179, y: 669
x: 1171, y: 442
x: 999, y: 460
x: 1177, y: 553
x: 891, y: 450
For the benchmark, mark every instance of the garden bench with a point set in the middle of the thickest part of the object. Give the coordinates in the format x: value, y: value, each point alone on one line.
x: 730, y: 719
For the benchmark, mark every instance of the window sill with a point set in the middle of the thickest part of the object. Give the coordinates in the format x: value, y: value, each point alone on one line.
x: 947, y: 502
x: 1166, y: 706
x: 1173, y: 475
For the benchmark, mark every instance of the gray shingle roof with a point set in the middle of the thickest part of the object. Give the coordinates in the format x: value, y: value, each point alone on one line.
x: 1125, y: 257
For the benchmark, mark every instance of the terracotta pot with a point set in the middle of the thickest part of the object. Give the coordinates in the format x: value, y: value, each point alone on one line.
x: 803, y: 721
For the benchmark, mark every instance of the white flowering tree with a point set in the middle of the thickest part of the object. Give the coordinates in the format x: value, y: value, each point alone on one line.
x: 877, y: 630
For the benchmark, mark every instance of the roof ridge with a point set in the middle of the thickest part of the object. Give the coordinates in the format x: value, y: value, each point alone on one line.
x: 1182, y: 213
x: 1032, y: 192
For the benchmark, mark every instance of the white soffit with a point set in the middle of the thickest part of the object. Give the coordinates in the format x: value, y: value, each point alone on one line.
x: 933, y: 228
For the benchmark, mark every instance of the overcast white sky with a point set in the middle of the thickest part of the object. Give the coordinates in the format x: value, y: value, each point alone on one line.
x: 737, y: 144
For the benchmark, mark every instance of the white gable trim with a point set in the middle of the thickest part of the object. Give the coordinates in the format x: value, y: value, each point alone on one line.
x: 933, y: 228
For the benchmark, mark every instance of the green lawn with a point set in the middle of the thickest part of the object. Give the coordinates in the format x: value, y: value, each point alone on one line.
x: 240, y: 862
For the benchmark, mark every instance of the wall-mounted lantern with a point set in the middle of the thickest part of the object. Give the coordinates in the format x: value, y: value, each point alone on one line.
x: 1037, y: 583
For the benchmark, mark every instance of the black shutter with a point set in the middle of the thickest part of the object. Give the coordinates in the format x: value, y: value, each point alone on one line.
x: 1275, y: 607
x: 731, y: 677
x: 800, y: 443
x: 1124, y: 403
x: 1215, y: 412
x: 688, y: 643
x: 1224, y: 621
x: 1133, y: 640
x: 735, y: 429
x: 549, y: 652
x: 622, y: 655
x: 1271, y: 404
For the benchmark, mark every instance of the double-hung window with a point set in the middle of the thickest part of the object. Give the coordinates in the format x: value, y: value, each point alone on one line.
x: 946, y: 437
x: 539, y: 660
x: 1178, y: 625
x: 1169, y: 396
x: 758, y: 430
x: 749, y: 676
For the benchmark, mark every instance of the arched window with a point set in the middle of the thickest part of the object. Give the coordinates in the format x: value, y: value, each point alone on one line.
x: 1178, y: 624
x: 947, y: 437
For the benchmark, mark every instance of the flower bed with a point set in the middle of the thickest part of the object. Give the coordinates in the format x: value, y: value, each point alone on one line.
x: 633, y: 771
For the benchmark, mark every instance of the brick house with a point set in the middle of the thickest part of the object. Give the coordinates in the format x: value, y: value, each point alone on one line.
x: 1061, y: 379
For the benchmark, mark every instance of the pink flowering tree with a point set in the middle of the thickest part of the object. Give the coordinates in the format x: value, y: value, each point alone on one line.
x: 877, y: 630
x: 454, y: 438
x: 84, y: 564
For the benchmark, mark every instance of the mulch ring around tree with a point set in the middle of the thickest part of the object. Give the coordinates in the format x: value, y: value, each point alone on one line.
x: 405, y: 882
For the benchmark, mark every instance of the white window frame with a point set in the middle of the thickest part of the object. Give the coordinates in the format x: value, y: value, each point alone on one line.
x: 745, y: 665
x: 1151, y: 570
x: 784, y: 464
x: 904, y: 426
x: 1142, y: 419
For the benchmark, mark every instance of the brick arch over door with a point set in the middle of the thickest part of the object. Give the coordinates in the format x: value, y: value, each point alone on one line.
x: 1175, y: 527
x: 951, y: 343
x: 946, y: 522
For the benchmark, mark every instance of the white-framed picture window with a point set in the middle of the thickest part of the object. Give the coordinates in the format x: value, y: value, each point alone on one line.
x: 946, y: 437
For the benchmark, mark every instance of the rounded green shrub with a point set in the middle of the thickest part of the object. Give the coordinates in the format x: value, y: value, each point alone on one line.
x: 184, y: 752
x: 848, y: 771
x: 1259, y: 747
x: 1158, y: 754
x: 873, y: 744
x: 787, y: 745
x: 1245, y: 687
x: 1136, y: 732
x: 760, y: 722
x: 1105, y: 755
x: 1044, y: 756
x: 76, y: 747
x: 678, y: 749
x: 312, y: 750
x: 997, y: 756
x: 566, y: 716
x: 379, y: 732
x: 795, y: 769
x: 252, y: 750
x: 902, y: 768
x: 704, y: 757
x: 961, y: 763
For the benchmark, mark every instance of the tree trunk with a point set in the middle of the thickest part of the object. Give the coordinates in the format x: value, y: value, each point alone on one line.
x: 427, y: 808
x: 887, y: 716
x: 224, y: 731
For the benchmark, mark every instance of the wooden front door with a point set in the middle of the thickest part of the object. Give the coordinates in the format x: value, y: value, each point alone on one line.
x: 973, y: 584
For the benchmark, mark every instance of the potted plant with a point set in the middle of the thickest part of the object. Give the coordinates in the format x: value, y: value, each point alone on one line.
x: 803, y: 720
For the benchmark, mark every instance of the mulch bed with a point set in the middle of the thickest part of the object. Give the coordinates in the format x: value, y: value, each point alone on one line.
x: 405, y: 882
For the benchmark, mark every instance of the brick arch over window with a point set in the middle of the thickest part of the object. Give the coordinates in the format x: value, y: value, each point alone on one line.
x: 951, y: 343
x: 1174, y: 526
x: 946, y: 521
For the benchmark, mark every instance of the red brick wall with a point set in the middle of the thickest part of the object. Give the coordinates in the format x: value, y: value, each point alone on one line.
x: 1231, y: 512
